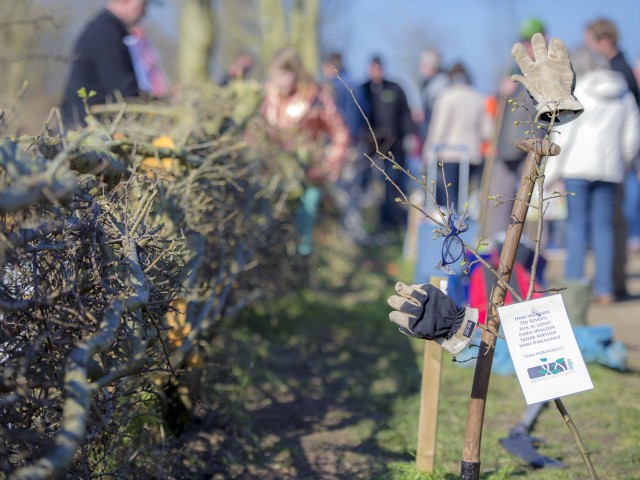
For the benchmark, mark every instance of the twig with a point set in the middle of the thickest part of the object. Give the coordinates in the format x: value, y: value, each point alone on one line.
x: 540, y: 223
x: 586, y: 456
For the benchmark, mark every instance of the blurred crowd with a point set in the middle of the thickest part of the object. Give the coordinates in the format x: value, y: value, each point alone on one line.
x: 461, y: 139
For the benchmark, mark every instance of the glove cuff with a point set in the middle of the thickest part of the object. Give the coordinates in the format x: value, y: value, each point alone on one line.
x: 462, y: 337
x: 568, y: 109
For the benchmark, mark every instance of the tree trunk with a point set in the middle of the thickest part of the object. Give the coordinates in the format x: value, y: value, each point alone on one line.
x: 196, y: 41
x: 304, y: 23
x: 16, y: 35
x: 273, y: 18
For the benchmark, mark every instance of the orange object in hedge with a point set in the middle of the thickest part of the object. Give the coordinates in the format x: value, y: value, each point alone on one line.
x: 177, y: 320
x: 165, y: 163
x: 163, y: 141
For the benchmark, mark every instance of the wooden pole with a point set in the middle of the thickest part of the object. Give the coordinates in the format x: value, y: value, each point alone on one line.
x: 536, y: 148
x: 429, y: 399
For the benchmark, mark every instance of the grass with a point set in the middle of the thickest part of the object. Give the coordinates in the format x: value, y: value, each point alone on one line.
x: 320, y: 381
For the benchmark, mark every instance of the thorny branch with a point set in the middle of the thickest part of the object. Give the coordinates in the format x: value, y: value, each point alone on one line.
x: 90, y: 270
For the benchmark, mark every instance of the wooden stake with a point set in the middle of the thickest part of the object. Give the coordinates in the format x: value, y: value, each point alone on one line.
x: 429, y: 399
x: 536, y: 148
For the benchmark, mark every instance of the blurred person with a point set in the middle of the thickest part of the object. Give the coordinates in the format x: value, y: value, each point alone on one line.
x: 595, y: 148
x: 349, y: 187
x: 101, y: 60
x: 434, y: 81
x: 300, y: 112
x: 601, y: 35
x: 150, y: 74
x: 458, y: 127
x: 332, y: 67
x: 506, y: 169
x: 390, y: 119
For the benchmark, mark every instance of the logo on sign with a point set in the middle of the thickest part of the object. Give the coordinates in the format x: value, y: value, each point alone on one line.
x: 550, y: 368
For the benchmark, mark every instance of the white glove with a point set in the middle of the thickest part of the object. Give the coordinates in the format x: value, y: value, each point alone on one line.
x: 549, y: 78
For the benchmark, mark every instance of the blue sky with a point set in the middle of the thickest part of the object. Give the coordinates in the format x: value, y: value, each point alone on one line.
x: 480, y: 33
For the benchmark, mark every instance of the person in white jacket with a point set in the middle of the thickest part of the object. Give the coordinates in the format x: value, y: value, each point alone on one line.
x: 458, y: 126
x: 595, y: 149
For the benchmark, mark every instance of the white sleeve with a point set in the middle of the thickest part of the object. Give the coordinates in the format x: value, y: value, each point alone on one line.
x: 631, y: 129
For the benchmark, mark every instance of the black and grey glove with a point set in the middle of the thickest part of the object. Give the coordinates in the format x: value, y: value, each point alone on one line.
x: 549, y: 79
x: 423, y: 311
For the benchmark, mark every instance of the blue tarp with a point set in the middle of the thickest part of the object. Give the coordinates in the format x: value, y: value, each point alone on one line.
x: 596, y: 344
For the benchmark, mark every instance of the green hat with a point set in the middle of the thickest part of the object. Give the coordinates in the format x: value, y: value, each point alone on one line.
x: 530, y: 26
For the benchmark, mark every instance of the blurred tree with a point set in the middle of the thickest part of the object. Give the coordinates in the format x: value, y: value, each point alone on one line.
x: 16, y: 40
x: 294, y: 24
x: 197, y: 24
x: 27, y: 59
x: 272, y: 17
x: 258, y: 27
x: 305, y: 20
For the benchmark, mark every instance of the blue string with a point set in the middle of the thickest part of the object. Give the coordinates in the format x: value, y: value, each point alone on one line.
x: 457, y: 225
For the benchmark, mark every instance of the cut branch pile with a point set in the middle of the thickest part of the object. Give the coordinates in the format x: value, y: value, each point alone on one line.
x: 123, y: 245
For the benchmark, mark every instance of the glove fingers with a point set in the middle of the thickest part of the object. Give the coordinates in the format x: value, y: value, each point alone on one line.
x: 405, y: 305
x: 522, y: 58
x: 403, y: 289
x: 558, y: 50
x: 414, y: 293
x: 539, y: 46
x: 400, y: 319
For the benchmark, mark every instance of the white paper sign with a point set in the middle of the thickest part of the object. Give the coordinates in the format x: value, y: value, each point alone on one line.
x: 544, y: 350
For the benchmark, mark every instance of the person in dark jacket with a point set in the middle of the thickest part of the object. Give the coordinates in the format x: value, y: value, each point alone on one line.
x: 101, y: 60
x: 390, y: 119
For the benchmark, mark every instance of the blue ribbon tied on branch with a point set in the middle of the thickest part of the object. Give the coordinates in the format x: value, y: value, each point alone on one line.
x: 452, y: 246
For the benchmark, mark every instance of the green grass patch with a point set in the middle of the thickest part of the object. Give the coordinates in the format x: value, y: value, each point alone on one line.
x: 321, y: 379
